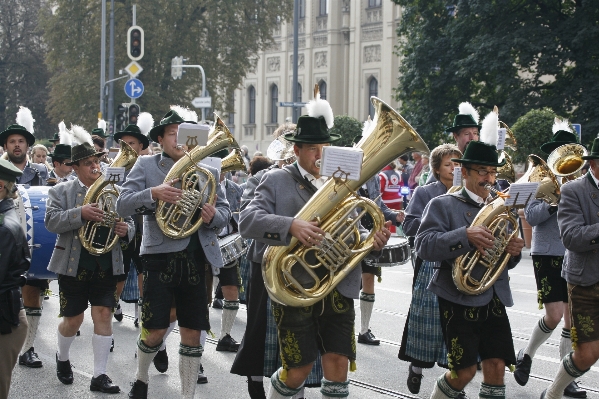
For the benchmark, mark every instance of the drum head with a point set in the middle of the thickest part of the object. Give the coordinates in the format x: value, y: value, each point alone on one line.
x: 395, y: 253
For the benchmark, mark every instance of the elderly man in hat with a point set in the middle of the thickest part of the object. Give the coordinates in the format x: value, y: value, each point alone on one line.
x: 16, y: 140
x: 473, y: 325
x: 174, y: 269
x: 547, y: 253
x: 84, y: 277
x: 14, y: 263
x: 328, y: 326
x: 578, y: 222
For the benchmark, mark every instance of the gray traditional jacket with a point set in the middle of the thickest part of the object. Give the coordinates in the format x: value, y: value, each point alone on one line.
x: 136, y: 197
x: 251, y: 184
x: 34, y: 174
x: 268, y: 217
x: 442, y: 238
x: 63, y: 217
x: 578, y: 220
x: 233, y: 193
x: 421, y: 197
x: 545, y: 231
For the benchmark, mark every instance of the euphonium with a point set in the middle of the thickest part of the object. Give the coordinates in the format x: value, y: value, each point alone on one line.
x: 233, y: 161
x: 334, y: 206
x: 539, y: 171
x: 99, y: 237
x: 506, y: 171
x: 566, y: 161
x: 182, y: 219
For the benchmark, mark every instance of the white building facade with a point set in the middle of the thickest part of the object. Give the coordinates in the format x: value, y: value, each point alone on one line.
x: 345, y: 46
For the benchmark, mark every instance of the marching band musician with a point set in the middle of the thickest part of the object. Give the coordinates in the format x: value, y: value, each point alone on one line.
x: 422, y: 340
x: 269, y: 219
x: 173, y: 268
x: 14, y: 263
x: 83, y: 277
x: 578, y: 222
x: 61, y: 157
x: 16, y: 140
x: 547, y: 256
x: 473, y: 325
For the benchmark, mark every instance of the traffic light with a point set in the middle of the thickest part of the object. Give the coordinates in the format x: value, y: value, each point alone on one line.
x: 133, y: 114
x: 122, y: 117
x: 135, y: 43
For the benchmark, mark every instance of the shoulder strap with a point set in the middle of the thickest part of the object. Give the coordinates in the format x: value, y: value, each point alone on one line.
x: 303, y: 182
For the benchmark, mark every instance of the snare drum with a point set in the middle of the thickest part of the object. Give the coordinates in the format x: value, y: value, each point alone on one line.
x: 232, y: 247
x: 31, y: 207
x: 395, y: 253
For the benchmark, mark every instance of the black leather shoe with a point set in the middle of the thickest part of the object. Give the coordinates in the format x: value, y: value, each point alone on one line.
x: 523, y: 364
x: 368, y: 338
x: 462, y: 395
x: 414, y: 381
x: 202, y: 379
x: 104, y: 384
x: 227, y: 344
x: 118, y: 313
x: 30, y: 359
x: 161, y: 361
x: 64, y: 372
x: 217, y: 303
x: 139, y: 390
x: 136, y: 323
x: 574, y: 391
x: 543, y: 394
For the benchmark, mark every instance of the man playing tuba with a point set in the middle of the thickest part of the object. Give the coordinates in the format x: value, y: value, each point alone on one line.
x: 328, y: 325
x: 83, y: 277
x: 473, y: 325
x: 173, y: 268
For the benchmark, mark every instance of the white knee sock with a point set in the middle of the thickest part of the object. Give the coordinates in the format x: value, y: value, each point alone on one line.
x: 230, y: 309
x: 168, y: 331
x: 189, y: 365
x: 136, y: 311
x: 488, y: 391
x: 366, y: 305
x: 567, y: 373
x: 443, y: 390
x: 203, y: 336
x: 565, y: 343
x: 417, y: 370
x: 278, y: 389
x: 101, y: 345
x: 145, y: 355
x: 33, y: 319
x: 64, y: 345
x: 332, y: 389
x: 117, y: 308
x: 540, y: 334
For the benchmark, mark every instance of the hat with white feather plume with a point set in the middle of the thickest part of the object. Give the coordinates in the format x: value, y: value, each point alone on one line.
x: 24, y: 127
x: 172, y: 117
x: 314, y: 127
x: 145, y: 122
x: 562, y: 134
x: 84, y: 150
x: 484, y: 152
x: 63, y: 149
x: 467, y: 117
x: 101, y: 129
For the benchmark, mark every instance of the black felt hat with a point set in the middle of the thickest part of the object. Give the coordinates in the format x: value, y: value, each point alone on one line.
x: 83, y: 151
x: 55, y: 139
x: 17, y: 129
x: 560, y: 138
x: 480, y: 153
x: 170, y: 118
x: 311, y: 130
x: 461, y: 121
x: 134, y: 131
x: 62, y: 151
x: 594, y: 153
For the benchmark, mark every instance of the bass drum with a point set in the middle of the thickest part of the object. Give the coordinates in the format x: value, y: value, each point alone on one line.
x: 31, y: 207
x: 395, y: 253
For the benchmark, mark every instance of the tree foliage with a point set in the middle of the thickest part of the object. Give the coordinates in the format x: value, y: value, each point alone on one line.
x: 222, y: 36
x: 23, y: 74
x: 348, y: 127
x: 516, y: 54
x: 531, y: 130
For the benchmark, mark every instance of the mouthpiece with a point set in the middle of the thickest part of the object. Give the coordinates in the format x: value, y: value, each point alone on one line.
x: 94, y: 171
x: 499, y: 193
x: 317, y: 163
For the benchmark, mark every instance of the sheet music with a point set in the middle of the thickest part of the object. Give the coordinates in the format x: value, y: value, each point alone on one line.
x: 457, y: 176
x: 192, y: 135
x: 521, y: 193
x: 349, y: 160
x: 501, y: 133
x: 115, y: 174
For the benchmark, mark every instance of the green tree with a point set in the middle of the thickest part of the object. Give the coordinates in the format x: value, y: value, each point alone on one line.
x: 222, y: 36
x: 23, y: 74
x: 531, y: 130
x: 348, y: 127
x: 516, y: 54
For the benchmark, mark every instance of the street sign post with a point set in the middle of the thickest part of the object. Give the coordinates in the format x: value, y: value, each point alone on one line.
x: 202, y: 102
x: 578, y: 128
x: 134, y: 88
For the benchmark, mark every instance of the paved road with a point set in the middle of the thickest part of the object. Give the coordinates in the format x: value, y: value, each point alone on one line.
x: 380, y: 374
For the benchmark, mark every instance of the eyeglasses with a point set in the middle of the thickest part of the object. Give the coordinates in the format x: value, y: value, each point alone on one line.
x: 89, y: 163
x: 483, y: 172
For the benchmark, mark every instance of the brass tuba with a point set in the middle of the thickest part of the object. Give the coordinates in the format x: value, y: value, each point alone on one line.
x: 182, y: 219
x: 99, y: 237
x: 334, y: 206
x: 539, y: 171
x: 233, y: 161
x: 566, y: 161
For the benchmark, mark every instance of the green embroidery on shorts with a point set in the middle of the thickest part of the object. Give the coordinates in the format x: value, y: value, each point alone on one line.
x: 290, y: 346
x: 544, y: 291
x: 339, y: 303
x: 353, y: 340
x: 277, y: 313
x: 471, y: 314
x: 81, y: 276
x: 146, y: 314
x: 446, y: 315
x: 454, y: 355
x: 497, y: 307
x: 194, y: 275
x: 537, y: 264
x: 124, y: 245
x: 557, y: 262
x: 63, y: 303
x: 586, y: 324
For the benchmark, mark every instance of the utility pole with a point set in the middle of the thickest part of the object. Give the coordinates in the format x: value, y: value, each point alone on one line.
x: 296, y: 110
x: 103, y: 59
x: 110, y: 118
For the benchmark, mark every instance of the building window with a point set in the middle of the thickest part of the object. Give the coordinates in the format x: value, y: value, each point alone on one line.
x: 274, y: 100
x: 302, y: 8
x: 374, y: 3
x: 373, y: 90
x: 322, y: 87
x: 252, y: 105
x: 323, y: 9
x: 299, y: 93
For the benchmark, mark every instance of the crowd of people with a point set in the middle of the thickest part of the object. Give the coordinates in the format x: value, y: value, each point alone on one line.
x: 165, y: 257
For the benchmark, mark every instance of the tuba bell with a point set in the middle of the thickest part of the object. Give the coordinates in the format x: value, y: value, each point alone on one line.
x: 182, y: 219
x: 99, y: 237
x: 566, y: 161
x: 233, y: 161
x: 334, y: 206
x: 539, y: 172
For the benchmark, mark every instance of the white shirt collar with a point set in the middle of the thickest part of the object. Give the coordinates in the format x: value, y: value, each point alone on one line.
x: 594, y: 178
x: 475, y: 197
x: 316, y: 182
